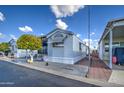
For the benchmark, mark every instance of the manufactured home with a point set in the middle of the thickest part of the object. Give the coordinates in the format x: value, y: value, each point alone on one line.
x: 64, y: 47
x: 112, y: 38
x: 18, y: 53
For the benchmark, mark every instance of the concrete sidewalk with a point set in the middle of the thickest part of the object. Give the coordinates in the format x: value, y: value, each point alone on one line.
x: 117, y: 75
x: 52, y: 70
x: 79, y: 70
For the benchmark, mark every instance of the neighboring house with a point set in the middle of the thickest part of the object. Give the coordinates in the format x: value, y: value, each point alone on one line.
x: 13, y: 47
x: 18, y: 52
x: 65, y: 47
x: 112, y: 37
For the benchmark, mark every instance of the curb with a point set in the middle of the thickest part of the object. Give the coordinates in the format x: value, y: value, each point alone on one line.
x: 74, y: 77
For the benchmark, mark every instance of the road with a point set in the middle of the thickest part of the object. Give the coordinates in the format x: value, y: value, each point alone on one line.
x: 12, y: 75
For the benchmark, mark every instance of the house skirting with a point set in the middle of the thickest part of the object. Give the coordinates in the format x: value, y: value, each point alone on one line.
x: 63, y: 59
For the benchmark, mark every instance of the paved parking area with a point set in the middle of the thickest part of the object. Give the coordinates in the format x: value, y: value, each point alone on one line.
x: 12, y: 75
x: 67, y: 72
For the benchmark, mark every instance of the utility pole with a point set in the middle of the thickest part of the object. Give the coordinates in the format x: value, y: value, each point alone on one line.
x: 89, y: 30
x: 88, y: 15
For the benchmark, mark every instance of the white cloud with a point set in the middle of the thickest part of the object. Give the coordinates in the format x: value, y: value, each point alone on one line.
x: 60, y: 24
x: 2, y: 17
x: 93, y: 43
x: 26, y: 29
x: 65, y: 10
x: 96, y: 40
x: 78, y: 35
x: 93, y: 33
x: 13, y: 36
x: 1, y: 35
x: 42, y: 34
x: 86, y: 41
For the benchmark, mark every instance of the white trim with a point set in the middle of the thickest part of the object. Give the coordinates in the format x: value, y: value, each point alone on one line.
x: 52, y: 33
x: 119, y: 23
x: 63, y: 59
x: 110, y: 49
x: 101, y: 50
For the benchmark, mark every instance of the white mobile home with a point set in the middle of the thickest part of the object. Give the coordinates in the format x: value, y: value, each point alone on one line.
x: 13, y: 47
x: 18, y: 53
x: 65, y: 47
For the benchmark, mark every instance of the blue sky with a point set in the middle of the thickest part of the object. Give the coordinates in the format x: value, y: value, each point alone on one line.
x: 39, y: 20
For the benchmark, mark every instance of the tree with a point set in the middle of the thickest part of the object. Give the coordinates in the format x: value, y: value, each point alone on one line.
x: 4, y: 46
x: 30, y: 42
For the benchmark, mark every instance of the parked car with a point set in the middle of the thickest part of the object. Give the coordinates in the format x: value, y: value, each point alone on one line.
x: 118, y: 55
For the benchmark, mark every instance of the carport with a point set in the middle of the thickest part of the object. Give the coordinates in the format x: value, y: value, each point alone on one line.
x: 113, y: 36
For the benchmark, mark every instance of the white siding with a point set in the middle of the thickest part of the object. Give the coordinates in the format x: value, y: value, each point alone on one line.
x: 58, y: 51
x: 76, y: 49
x: 68, y: 54
x: 49, y: 50
x: 68, y: 47
x: 55, y: 51
x: 77, y: 53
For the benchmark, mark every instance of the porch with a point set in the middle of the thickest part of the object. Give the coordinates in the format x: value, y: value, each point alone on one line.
x: 112, y: 37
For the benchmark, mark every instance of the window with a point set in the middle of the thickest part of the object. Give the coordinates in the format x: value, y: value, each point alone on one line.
x: 106, y: 45
x: 121, y: 43
x: 60, y: 44
x: 80, y: 46
x: 115, y: 44
x: 106, y: 49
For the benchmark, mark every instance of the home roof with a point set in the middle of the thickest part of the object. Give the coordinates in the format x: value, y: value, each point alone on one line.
x: 12, y: 40
x: 61, y: 30
x: 66, y: 32
x: 109, y: 24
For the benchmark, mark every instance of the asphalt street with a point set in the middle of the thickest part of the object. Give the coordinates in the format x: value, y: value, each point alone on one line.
x: 12, y: 75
